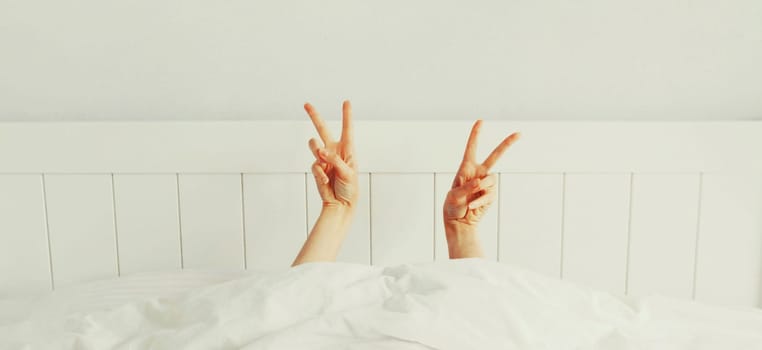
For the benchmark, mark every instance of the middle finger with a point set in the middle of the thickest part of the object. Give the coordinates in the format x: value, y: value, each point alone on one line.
x: 499, y: 150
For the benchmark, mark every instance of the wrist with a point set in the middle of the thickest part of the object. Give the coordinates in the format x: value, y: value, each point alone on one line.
x: 337, y: 211
x: 454, y: 228
x: 463, y: 240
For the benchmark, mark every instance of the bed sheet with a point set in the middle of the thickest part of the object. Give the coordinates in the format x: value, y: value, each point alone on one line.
x: 108, y: 293
x: 456, y: 304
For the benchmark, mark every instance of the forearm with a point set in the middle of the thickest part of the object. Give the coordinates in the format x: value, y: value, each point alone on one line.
x: 326, y: 236
x: 463, y: 241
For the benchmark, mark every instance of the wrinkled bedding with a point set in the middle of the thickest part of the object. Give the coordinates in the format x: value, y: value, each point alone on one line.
x: 456, y: 304
x: 108, y: 293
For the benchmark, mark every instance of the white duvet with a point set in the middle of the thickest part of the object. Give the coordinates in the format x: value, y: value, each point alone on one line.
x: 457, y: 304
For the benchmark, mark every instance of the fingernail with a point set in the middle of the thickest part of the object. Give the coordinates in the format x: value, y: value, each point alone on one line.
x: 325, y: 180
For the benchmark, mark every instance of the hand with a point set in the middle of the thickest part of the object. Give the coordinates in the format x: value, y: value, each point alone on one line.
x: 334, y: 168
x: 335, y: 173
x: 473, y: 189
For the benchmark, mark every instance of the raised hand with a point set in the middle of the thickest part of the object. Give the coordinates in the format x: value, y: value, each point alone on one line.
x: 334, y: 168
x: 473, y: 191
x: 335, y: 173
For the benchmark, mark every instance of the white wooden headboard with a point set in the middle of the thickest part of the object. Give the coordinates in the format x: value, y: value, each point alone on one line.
x: 669, y: 208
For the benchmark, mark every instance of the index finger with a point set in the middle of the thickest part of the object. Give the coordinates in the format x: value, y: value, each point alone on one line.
x: 470, y: 153
x: 322, y: 130
x: 346, y: 123
x: 498, y: 151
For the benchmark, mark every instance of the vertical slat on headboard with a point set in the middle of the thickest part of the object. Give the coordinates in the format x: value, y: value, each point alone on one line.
x: 356, y: 247
x: 83, y: 241
x: 403, y: 219
x: 596, y: 219
x: 24, y: 265
x: 275, y: 215
x: 211, y: 221
x: 147, y: 222
x: 663, y: 234
x: 729, y: 266
x: 443, y: 183
x: 530, y: 221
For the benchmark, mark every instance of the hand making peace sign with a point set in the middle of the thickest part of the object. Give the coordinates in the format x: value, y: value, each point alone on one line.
x: 334, y: 168
x: 474, y: 188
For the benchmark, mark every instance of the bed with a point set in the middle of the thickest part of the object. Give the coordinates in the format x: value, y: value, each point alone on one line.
x: 618, y: 235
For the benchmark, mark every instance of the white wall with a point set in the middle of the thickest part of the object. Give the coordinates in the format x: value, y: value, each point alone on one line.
x: 520, y: 59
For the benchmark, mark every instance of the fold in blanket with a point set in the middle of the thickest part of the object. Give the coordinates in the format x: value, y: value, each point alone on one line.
x: 456, y: 304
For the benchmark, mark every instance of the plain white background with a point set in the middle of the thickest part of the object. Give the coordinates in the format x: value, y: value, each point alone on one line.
x: 519, y: 59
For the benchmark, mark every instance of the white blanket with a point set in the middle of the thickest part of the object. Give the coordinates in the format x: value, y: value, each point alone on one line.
x: 459, y: 304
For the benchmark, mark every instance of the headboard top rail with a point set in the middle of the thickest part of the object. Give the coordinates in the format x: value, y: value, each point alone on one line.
x: 382, y: 146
